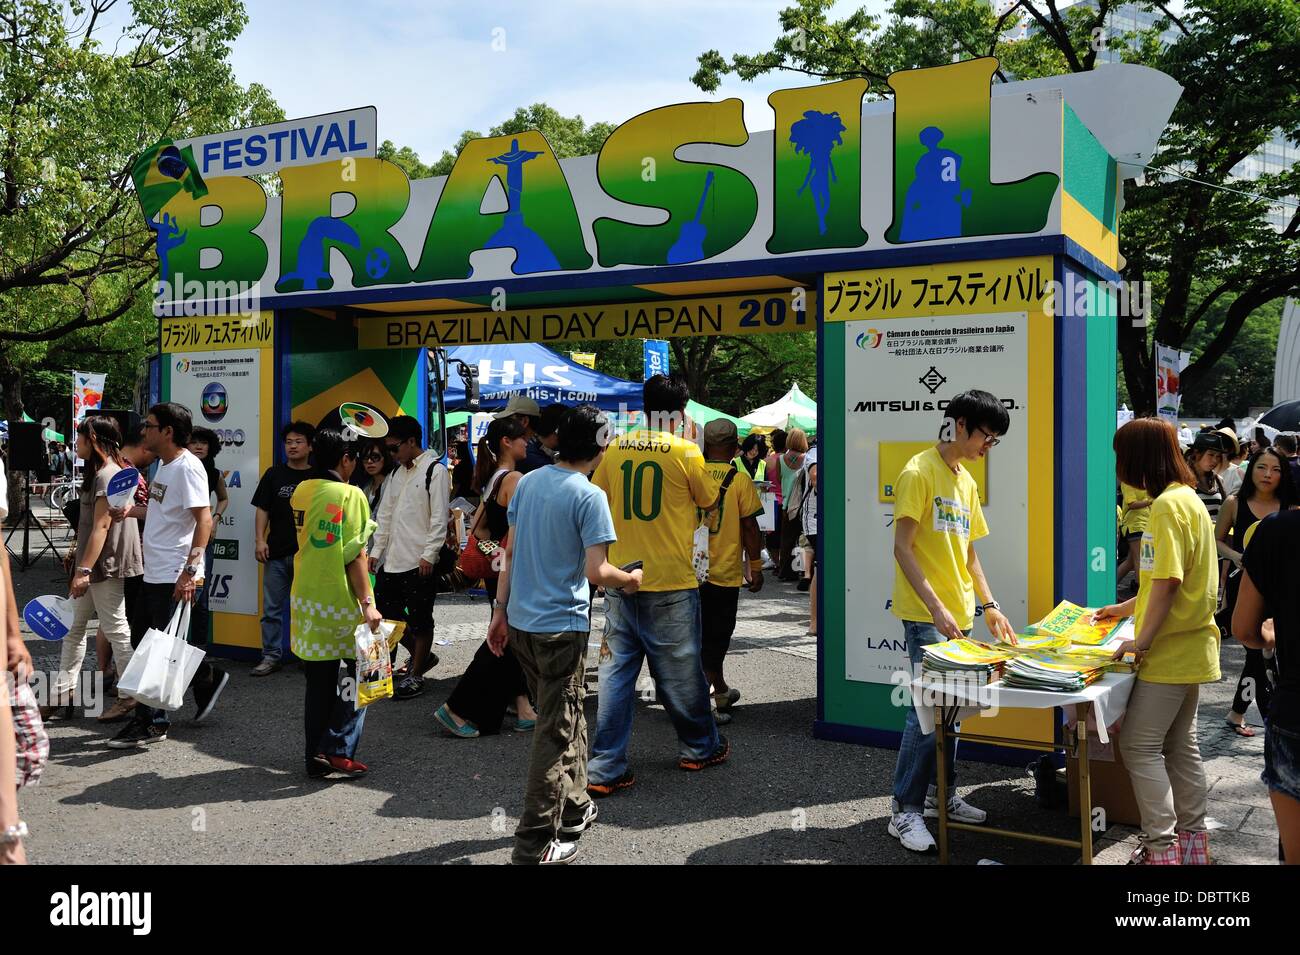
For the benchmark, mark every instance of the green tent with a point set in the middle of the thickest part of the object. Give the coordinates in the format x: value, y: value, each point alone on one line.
x: 702, y: 415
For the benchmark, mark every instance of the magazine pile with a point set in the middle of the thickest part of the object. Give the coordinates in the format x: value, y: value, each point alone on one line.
x: 1063, y: 652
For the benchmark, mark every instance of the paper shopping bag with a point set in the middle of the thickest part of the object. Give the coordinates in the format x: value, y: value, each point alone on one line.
x: 163, y: 664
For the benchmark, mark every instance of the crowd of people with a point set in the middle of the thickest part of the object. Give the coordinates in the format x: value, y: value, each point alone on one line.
x: 553, y: 509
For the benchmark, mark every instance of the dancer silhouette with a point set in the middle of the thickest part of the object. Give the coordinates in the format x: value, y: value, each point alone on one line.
x: 816, y: 135
x: 168, y: 235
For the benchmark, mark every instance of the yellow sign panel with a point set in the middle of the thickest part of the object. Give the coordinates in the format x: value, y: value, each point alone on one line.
x: 893, y: 455
x: 664, y: 318
x: 584, y: 358
x: 217, y: 333
x: 954, y: 288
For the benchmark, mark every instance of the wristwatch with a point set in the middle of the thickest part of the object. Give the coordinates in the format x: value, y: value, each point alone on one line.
x: 193, y: 571
x: 992, y: 605
x: 83, y: 571
x: 367, y: 601
x: 12, y: 834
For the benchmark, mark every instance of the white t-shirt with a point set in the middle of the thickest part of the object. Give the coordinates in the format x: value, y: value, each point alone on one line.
x: 169, y: 525
x: 4, y: 493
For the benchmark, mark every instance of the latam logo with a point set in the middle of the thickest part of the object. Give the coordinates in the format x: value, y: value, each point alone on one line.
x: 871, y: 338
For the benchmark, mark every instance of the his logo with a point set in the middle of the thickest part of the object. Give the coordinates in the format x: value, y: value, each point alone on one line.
x: 213, y: 404
x: 932, y: 379
x: 332, y: 525
x: 871, y: 338
x: 183, y: 365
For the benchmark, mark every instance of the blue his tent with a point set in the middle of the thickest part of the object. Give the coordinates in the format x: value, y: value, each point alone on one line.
x: 536, y: 372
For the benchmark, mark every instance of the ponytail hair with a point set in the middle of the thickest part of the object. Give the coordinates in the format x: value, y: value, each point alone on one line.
x: 489, y: 449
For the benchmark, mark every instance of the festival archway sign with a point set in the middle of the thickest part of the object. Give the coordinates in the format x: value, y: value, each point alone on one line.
x: 958, y: 234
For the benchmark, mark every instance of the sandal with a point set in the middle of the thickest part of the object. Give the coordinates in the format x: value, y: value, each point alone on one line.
x: 1241, y: 729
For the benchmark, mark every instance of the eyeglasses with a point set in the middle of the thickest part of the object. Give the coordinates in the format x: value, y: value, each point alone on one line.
x: 392, y: 448
x: 990, y: 440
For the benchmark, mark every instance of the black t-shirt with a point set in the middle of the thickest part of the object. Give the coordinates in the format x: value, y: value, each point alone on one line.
x: 272, y: 495
x: 1273, y: 562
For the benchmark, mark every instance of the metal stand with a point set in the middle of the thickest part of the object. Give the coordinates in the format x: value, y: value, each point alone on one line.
x: 944, y: 735
x: 26, y: 521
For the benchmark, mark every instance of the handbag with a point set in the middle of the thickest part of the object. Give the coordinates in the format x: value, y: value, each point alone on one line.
x: 481, y: 559
x: 163, y: 664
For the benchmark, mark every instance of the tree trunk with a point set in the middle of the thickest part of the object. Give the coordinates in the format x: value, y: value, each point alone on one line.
x: 1136, y: 366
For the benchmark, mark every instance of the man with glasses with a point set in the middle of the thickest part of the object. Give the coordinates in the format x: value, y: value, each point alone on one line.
x: 412, y: 527
x: 277, y: 537
x: 177, y: 525
x: 937, y: 519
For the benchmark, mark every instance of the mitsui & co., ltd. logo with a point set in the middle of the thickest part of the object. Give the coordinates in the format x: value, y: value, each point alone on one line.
x: 871, y: 338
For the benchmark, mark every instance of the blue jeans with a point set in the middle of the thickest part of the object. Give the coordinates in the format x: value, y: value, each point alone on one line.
x: 663, y: 627
x: 277, y: 578
x: 332, y: 722
x: 916, y: 770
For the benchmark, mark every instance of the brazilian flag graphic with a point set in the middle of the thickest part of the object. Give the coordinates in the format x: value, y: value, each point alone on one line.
x: 163, y: 170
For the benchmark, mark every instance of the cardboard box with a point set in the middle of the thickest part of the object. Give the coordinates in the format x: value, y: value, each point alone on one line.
x: 1111, y: 788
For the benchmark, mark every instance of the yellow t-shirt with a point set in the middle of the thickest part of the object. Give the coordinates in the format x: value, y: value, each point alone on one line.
x: 1179, y: 544
x: 1135, y: 520
x: 946, y: 508
x: 740, y: 501
x: 655, y: 481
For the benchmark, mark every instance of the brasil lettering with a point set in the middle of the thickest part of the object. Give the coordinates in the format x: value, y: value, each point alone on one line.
x: 725, y: 315
x: 808, y: 193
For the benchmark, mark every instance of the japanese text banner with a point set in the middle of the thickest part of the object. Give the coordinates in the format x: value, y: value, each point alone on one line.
x: 952, y: 288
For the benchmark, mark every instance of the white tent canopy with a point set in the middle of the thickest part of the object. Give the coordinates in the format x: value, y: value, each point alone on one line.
x: 793, y: 405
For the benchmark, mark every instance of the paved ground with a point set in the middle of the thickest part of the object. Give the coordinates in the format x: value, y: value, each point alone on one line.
x: 233, y: 791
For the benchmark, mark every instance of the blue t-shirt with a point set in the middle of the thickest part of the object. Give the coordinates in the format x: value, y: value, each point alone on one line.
x: 555, y: 515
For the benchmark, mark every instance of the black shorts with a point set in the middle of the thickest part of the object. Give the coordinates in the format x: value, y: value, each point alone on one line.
x: 407, y: 596
x: 718, y: 606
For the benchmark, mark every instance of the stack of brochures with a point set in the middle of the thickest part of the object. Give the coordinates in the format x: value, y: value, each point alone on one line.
x: 1067, y: 670
x: 964, y: 658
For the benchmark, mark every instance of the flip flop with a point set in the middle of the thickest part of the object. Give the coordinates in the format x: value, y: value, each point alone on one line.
x: 1241, y: 729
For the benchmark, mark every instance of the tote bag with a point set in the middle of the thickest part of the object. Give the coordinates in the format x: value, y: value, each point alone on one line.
x: 163, y: 665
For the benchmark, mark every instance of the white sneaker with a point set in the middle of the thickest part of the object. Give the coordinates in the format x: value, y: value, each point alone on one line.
x: 559, y: 853
x: 959, y: 810
x: 909, y: 829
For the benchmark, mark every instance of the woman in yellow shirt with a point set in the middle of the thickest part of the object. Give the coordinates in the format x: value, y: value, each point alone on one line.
x: 1177, y: 646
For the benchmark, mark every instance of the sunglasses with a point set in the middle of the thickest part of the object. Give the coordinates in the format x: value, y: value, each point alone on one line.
x: 373, y: 456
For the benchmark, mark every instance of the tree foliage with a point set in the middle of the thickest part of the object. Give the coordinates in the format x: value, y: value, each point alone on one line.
x: 77, y: 103
x: 1197, y: 245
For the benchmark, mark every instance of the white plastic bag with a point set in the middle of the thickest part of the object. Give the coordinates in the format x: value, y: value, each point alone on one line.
x: 163, y: 664
x: 767, y: 519
x: 700, y: 553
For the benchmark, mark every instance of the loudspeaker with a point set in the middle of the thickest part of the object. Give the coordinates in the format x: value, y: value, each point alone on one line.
x: 26, y: 449
x: 126, y: 419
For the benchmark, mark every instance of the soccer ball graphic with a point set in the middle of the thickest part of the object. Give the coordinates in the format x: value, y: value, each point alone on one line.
x: 377, y: 263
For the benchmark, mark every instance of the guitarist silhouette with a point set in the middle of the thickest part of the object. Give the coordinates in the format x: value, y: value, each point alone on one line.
x: 689, y: 246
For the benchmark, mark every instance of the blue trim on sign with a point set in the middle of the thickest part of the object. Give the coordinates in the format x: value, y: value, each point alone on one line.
x: 1071, y: 437
x: 422, y: 395
x: 890, y: 739
x: 283, y: 385
x: 1083, y: 257
x: 785, y: 266
x: 821, y: 538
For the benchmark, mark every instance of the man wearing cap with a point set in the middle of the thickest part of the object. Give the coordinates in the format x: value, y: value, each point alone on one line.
x: 733, y: 537
x: 527, y: 413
